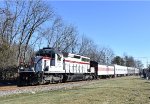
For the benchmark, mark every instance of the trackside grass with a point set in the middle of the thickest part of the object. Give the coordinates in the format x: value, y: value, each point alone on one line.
x: 125, y: 90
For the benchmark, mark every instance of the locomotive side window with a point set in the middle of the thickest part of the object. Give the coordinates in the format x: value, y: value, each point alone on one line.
x: 75, y: 56
x: 44, y: 63
x: 65, y: 54
x: 46, y: 52
x: 85, y: 59
x: 58, y: 57
x: 52, y: 55
x: 52, y: 62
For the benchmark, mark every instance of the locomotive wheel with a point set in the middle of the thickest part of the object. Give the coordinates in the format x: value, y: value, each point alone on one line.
x: 65, y: 77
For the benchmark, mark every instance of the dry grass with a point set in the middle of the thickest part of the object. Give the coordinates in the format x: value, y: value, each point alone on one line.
x: 125, y: 90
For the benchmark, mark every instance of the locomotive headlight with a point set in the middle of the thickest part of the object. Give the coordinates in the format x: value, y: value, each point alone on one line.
x: 21, y: 68
x: 32, y: 68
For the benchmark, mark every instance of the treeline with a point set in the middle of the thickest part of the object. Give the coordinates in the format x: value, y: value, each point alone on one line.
x: 28, y: 25
x: 128, y: 61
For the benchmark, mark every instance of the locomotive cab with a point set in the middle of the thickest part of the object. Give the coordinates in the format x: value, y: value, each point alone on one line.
x: 49, y: 60
x: 46, y: 64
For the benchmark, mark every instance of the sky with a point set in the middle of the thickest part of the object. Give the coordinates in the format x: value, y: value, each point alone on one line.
x: 123, y: 26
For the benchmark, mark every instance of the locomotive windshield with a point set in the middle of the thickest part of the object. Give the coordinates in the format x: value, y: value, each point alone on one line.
x: 46, y: 52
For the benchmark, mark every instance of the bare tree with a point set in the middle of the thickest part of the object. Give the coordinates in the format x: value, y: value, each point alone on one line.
x: 129, y: 61
x: 138, y: 64
x: 104, y: 55
x: 85, y: 46
x: 88, y: 48
x: 60, y: 36
x: 26, y: 17
x: 53, y: 31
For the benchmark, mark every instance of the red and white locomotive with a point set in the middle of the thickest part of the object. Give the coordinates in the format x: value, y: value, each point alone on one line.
x: 52, y: 66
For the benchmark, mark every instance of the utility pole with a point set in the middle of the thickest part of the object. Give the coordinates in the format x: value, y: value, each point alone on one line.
x: 107, y: 61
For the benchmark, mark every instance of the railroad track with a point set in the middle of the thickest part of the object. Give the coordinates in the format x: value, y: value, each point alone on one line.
x: 13, y: 89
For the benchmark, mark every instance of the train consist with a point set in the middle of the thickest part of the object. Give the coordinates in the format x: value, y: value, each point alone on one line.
x: 52, y: 66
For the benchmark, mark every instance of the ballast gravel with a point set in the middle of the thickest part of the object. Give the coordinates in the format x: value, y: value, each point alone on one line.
x: 41, y: 88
